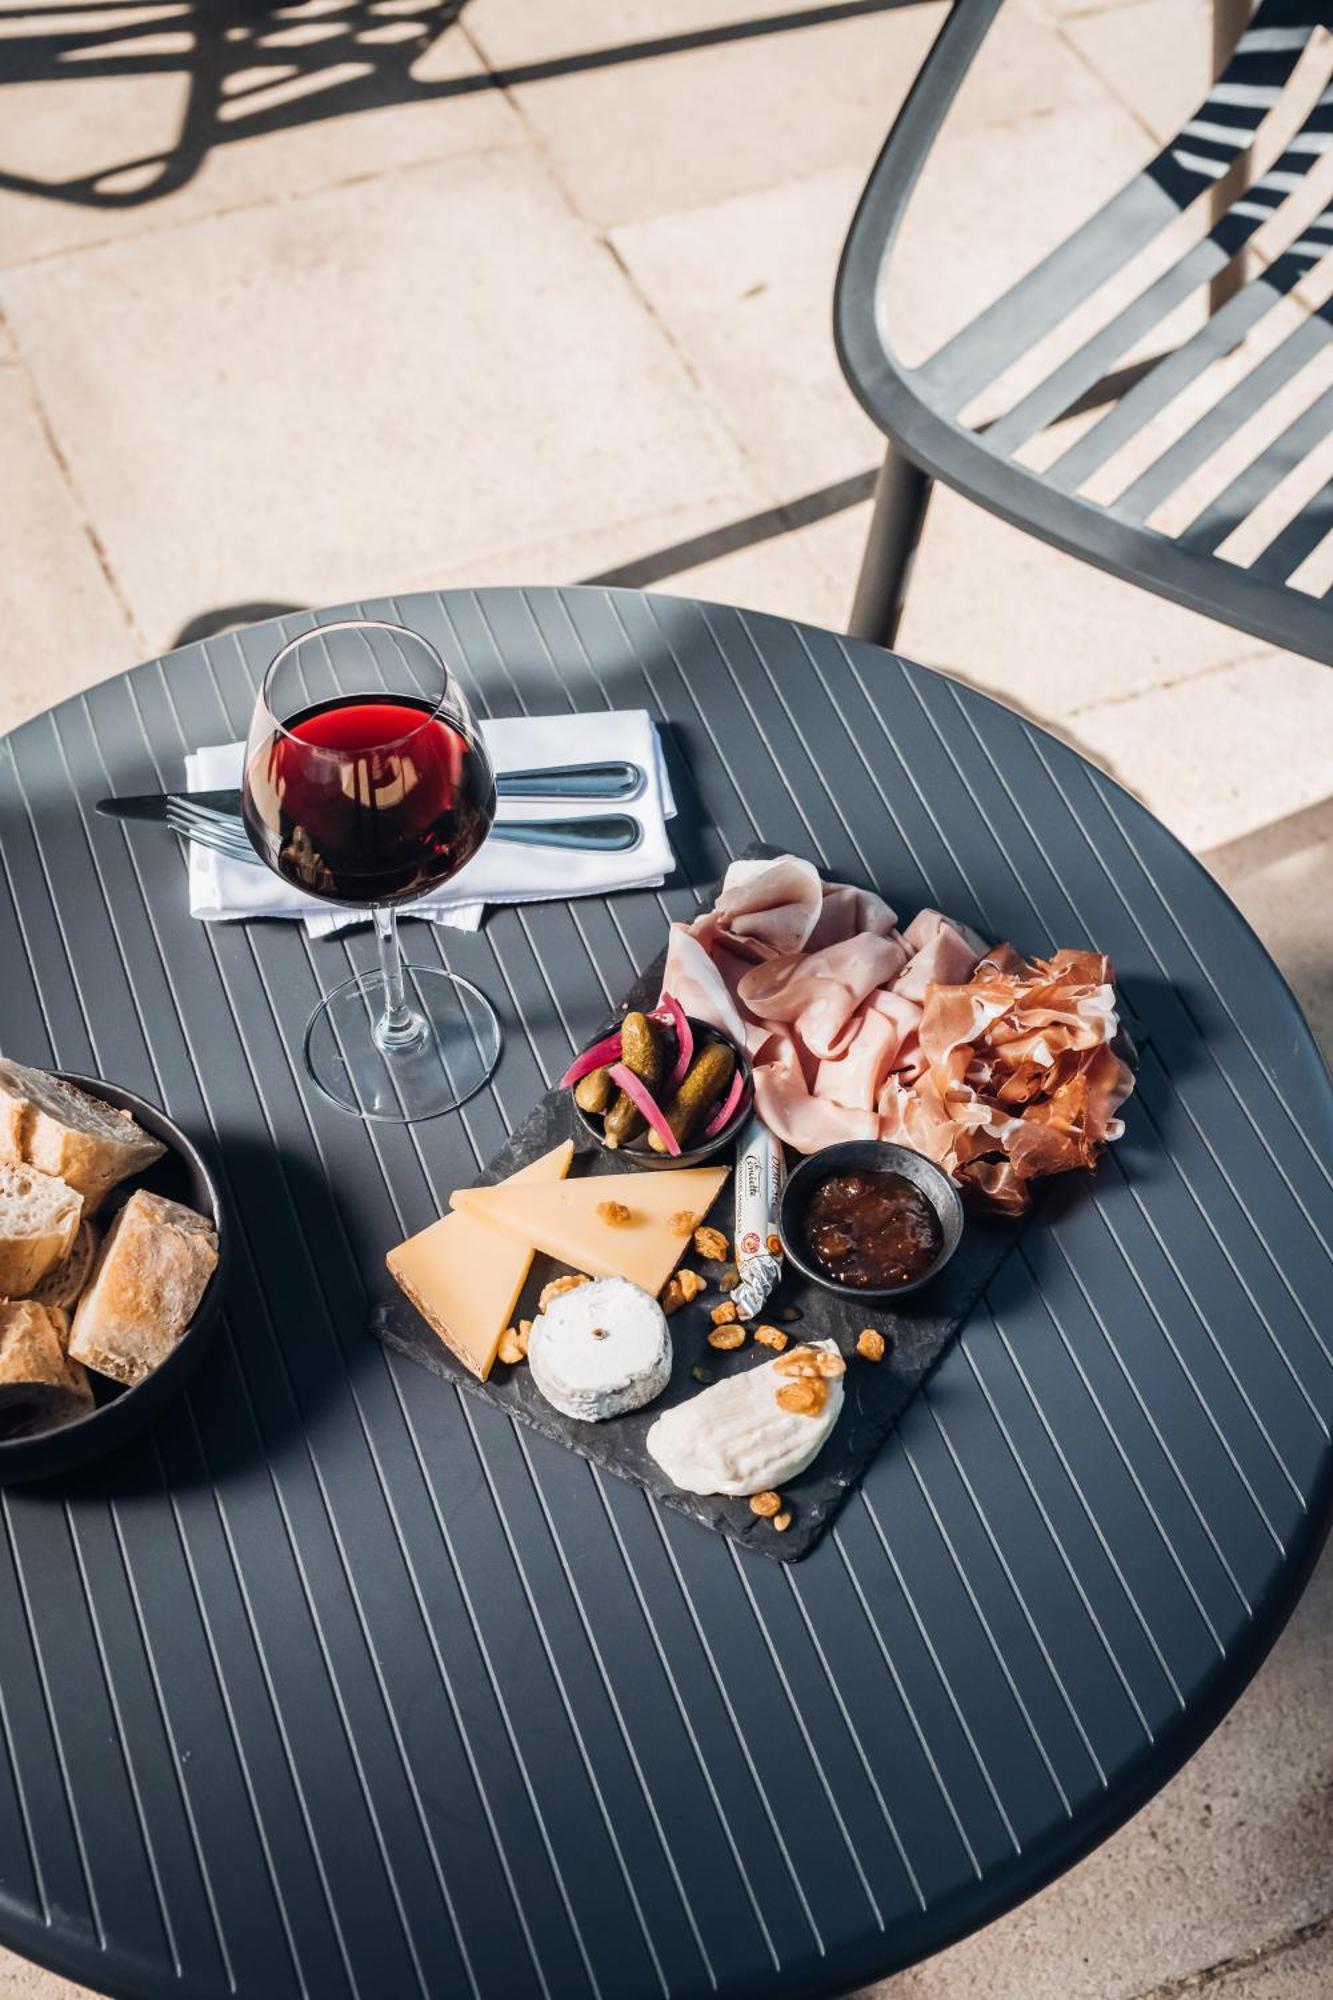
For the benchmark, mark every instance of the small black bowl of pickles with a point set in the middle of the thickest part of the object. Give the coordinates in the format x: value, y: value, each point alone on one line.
x: 661, y: 1088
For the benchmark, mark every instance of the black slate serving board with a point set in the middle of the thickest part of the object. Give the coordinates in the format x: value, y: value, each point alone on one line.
x: 876, y: 1393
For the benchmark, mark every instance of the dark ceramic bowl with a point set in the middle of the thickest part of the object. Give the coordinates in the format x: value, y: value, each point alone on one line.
x: 181, y: 1175
x: 639, y: 1153
x: 859, y: 1156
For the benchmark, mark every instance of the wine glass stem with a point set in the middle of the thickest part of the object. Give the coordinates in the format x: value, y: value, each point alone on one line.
x: 399, y: 1026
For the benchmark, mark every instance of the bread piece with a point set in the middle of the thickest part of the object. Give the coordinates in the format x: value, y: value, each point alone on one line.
x: 150, y: 1275
x: 40, y: 1387
x: 64, y: 1282
x: 39, y: 1218
x: 47, y: 1123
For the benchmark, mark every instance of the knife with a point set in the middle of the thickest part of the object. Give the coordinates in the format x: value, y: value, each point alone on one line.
x: 612, y: 778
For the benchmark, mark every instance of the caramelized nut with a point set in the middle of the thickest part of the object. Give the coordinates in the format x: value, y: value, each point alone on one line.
x: 673, y: 1296
x: 726, y: 1337
x: 782, y: 1521
x: 803, y: 1399
x: 682, y: 1222
x: 870, y: 1344
x: 511, y: 1348
x: 568, y: 1283
x: 692, y: 1283
x: 830, y: 1364
x: 765, y: 1505
x: 720, y: 1315
x: 771, y: 1336
x: 711, y: 1245
x: 615, y: 1213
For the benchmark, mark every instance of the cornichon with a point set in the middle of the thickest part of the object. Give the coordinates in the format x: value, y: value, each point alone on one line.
x: 641, y: 1050
x: 594, y: 1091
x: 702, y: 1085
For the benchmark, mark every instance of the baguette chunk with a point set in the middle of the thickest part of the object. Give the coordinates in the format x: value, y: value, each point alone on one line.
x: 40, y: 1387
x: 63, y: 1284
x: 155, y: 1261
x: 39, y: 1219
x: 47, y: 1123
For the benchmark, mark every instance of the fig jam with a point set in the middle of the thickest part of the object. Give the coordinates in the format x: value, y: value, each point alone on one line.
x: 871, y: 1229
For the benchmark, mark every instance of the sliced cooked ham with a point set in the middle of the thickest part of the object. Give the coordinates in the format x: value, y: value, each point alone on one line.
x: 942, y: 953
x: 821, y: 990
x: 999, y: 1068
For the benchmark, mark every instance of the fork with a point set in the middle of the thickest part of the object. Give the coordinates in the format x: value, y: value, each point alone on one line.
x: 607, y: 833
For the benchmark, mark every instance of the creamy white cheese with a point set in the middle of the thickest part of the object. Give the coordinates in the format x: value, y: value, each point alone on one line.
x: 737, y: 1438
x: 600, y: 1350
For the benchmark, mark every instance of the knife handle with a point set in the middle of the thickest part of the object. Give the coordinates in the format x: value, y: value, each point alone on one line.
x: 611, y: 778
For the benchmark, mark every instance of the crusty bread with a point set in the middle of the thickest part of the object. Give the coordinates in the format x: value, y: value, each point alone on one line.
x: 40, y: 1387
x: 47, y: 1123
x: 39, y: 1218
x: 64, y: 1283
x: 150, y: 1274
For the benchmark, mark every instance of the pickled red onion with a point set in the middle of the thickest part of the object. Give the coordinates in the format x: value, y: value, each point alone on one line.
x: 726, y: 1110
x: 605, y: 1051
x: 643, y: 1100
x: 675, y: 1013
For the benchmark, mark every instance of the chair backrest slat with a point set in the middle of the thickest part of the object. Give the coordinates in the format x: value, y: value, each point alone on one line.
x: 1169, y: 472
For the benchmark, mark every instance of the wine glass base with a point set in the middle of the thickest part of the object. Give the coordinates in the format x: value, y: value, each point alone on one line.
x: 454, y: 1056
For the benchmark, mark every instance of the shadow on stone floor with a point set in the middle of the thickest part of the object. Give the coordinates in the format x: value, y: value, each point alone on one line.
x: 253, y: 69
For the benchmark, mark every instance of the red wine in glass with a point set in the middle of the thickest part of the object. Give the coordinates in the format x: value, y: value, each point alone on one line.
x: 369, y: 798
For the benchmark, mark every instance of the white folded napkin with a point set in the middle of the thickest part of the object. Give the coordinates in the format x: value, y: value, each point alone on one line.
x: 223, y: 891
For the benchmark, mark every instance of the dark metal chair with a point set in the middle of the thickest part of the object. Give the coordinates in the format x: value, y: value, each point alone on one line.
x: 1230, y: 222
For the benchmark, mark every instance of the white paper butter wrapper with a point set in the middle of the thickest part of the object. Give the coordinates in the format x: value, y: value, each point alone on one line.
x: 760, y: 1172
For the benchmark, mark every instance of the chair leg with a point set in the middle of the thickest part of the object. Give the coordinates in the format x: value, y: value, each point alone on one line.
x: 901, y: 493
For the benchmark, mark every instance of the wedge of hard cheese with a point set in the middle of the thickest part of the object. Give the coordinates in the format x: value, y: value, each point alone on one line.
x: 464, y: 1276
x: 636, y: 1226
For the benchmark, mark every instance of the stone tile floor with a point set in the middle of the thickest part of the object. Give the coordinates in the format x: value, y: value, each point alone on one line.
x: 341, y: 298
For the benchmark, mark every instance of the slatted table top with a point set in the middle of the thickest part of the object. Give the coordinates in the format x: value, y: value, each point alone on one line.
x: 341, y: 1684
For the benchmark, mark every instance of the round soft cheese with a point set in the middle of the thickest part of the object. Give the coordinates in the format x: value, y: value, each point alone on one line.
x: 736, y: 1437
x: 600, y: 1350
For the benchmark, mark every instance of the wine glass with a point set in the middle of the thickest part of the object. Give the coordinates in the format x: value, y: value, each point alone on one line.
x: 367, y: 784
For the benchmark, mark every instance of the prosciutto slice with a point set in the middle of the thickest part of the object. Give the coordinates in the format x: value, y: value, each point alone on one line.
x: 998, y: 1067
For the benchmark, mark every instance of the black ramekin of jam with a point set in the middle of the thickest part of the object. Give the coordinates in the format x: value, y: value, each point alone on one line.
x: 870, y: 1219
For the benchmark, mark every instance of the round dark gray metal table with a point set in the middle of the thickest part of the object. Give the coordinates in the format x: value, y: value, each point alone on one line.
x: 340, y: 1684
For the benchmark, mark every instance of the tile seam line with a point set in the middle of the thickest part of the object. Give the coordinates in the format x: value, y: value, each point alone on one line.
x: 263, y: 205
x: 89, y: 532
x: 1258, y: 1960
